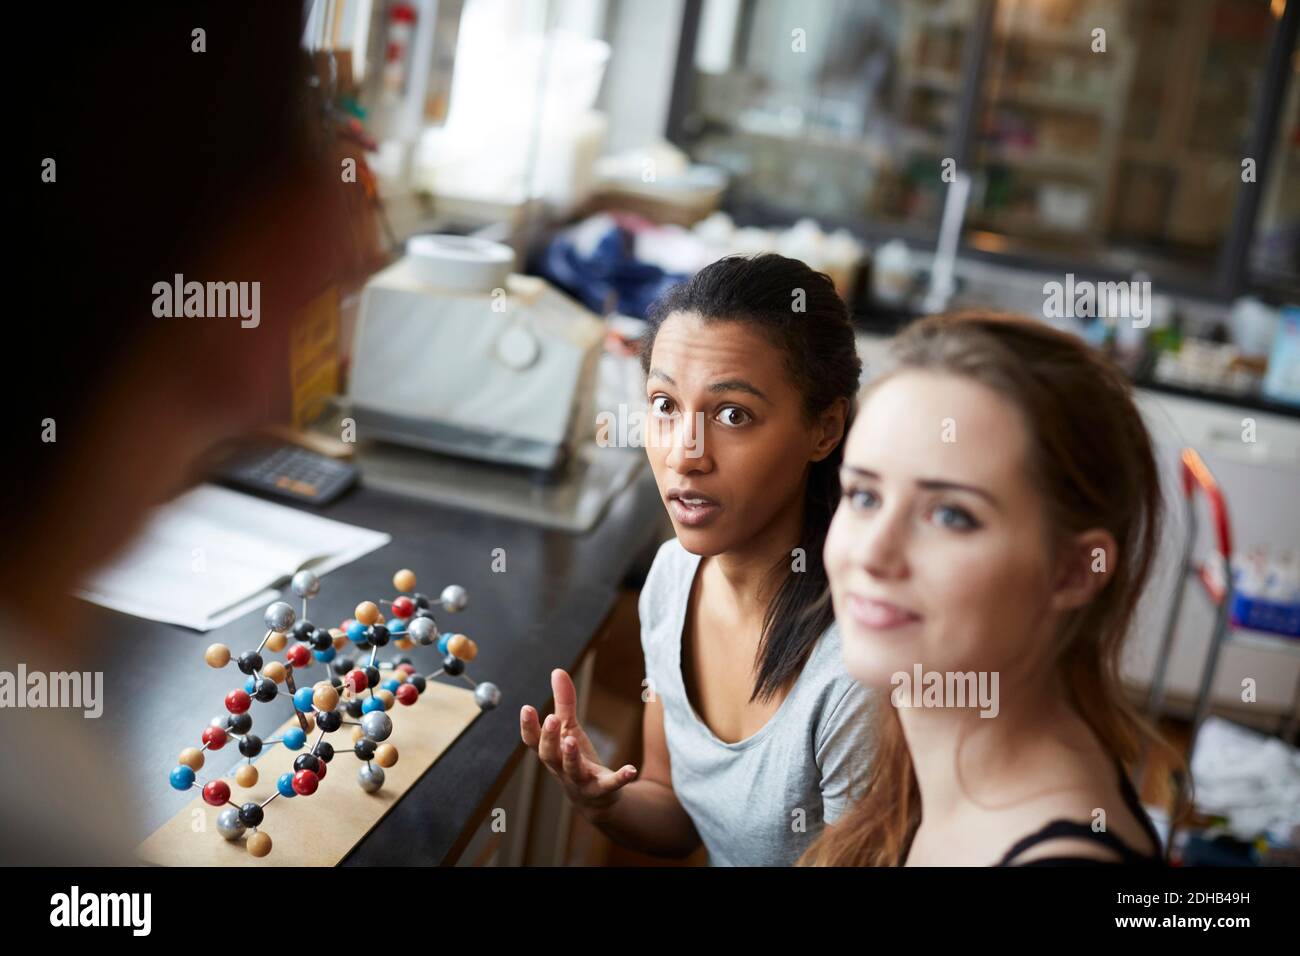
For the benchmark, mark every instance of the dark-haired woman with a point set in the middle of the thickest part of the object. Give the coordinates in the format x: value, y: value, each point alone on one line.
x: 754, y: 735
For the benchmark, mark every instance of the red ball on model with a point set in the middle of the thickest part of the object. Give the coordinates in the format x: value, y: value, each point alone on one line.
x: 305, y: 782
x: 403, y: 607
x: 299, y: 655
x: 407, y: 694
x: 216, y: 793
x: 215, y: 738
x: 357, y: 680
x: 238, y: 701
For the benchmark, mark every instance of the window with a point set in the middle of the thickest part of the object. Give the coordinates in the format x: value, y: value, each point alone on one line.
x: 1275, y: 251
x: 833, y: 109
x: 1112, y: 135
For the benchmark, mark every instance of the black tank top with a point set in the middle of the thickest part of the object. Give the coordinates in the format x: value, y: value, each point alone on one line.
x: 1069, y: 828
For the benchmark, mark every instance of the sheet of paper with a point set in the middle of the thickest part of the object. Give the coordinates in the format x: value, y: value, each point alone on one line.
x: 213, y: 554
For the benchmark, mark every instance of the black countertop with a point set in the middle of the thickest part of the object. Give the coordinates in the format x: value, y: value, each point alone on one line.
x: 541, y: 612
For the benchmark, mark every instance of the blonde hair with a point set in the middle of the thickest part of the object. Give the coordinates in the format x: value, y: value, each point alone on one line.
x: 1092, y: 460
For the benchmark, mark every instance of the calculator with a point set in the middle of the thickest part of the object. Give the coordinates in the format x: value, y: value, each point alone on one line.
x: 283, y: 470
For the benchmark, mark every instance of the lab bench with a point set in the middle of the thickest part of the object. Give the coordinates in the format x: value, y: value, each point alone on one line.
x: 542, y: 612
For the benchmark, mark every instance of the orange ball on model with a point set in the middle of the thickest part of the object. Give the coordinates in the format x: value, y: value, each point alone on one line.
x: 462, y: 647
x: 259, y: 844
x: 324, y: 696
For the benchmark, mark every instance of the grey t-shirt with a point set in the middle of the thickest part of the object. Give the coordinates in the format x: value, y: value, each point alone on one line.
x: 763, y: 800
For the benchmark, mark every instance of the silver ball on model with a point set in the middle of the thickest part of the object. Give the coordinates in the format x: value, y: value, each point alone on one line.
x: 370, y: 777
x: 422, y: 630
x: 229, y: 824
x: 305, y: 584
x: 454, y: 597
x: 487, y: 695
x: 279, y: 617
x: 376, y: 725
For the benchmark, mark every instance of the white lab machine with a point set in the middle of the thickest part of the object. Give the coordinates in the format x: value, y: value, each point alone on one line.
x: 475, y: 386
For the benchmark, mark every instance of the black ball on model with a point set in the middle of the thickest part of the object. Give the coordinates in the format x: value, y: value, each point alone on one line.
x: 329, y: 720
x: 321, y: 640
x: 364, y: 748
x: 453, y: 666
x: 302, y: 630
x: 421, y: 602
x: 250, y: 662
x: 325, y: 750
x: 251, y: 745
x: 306, y: 762
x: 353, y: 707
x: 265, y: 690
x: 240, y: 723
x: 378, y: 634
x: 416, y: 681
x: 342, y: 665
x: 250, y: 815
x: 372, y: 676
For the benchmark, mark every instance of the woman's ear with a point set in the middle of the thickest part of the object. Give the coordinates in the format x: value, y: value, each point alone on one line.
x: 830, y: 428
x: 1086, y: 562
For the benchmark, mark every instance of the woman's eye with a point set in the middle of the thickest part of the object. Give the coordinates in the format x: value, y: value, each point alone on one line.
x: 954, y: 518
x: 860, y: 498
x: 731, y: 415
x: 661, y: 405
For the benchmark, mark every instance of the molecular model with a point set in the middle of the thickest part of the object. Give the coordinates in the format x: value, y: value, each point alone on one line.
x: 357, y: 694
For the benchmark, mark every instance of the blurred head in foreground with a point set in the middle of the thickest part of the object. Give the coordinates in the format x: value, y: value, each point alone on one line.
x: 164, y: 161
x: 150, y: 151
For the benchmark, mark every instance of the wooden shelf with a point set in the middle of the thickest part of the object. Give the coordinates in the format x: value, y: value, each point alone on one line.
x: 1041, y: 161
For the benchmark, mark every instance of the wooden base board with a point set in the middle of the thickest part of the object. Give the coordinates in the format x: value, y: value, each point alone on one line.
x: 318, y: 830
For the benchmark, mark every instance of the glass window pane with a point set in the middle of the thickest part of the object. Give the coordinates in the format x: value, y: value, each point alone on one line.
x: 1119, y: 149
x: 833, y: 108
x: 1275, y: 253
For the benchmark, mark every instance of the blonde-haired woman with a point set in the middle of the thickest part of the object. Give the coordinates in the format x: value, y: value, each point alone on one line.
x: 1001, y: 506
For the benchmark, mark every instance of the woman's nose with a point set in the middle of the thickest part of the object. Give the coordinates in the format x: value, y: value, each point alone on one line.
x: 687, y: 436
x: 881, y: 545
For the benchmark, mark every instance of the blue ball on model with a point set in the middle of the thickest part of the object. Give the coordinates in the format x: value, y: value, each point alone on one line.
x: 285, y: 785
x: 182, y: 778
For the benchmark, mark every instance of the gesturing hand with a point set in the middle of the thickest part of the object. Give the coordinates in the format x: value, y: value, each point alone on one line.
x: 562, y: 745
